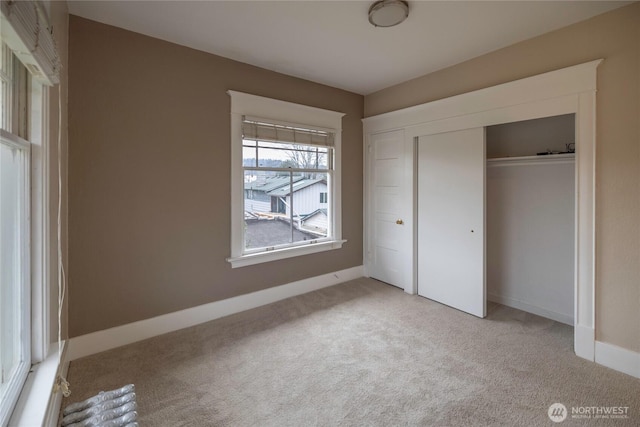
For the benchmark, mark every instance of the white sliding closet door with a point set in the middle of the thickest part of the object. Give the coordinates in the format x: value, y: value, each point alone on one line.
x: 451, y: 219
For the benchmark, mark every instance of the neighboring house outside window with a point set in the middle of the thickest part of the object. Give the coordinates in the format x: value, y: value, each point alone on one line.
x: 305, y: 194
x: 285, y: 179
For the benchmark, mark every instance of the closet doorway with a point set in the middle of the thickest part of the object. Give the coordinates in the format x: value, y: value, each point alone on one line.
x: 530, y: 208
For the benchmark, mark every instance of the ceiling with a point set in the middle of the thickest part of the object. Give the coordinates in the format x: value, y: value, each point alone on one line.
x: 332, y: 42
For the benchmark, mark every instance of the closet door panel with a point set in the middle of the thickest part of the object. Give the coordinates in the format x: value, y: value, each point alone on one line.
x: 451, y: 219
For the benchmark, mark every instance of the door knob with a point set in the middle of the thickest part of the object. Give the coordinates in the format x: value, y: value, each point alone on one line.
x: 399, y: 222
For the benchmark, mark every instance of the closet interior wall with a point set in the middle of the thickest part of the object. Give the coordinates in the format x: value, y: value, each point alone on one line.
x: 530, y: 214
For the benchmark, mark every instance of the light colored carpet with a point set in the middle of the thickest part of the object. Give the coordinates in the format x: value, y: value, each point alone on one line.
x: 359, y: 353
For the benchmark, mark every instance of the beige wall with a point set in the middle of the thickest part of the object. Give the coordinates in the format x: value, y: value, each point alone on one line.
x: 149, y: 186
x: 59, y: 18
x: 614, y: 36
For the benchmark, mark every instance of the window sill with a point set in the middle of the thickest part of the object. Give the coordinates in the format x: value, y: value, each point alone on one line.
x: 261, y: 257
x: 34, y: 407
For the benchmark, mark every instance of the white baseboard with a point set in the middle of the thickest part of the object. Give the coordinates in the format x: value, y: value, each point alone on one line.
x: 584, y: 339
x: 529, y: 308
x: 107, y: 339
x: 618, y: 358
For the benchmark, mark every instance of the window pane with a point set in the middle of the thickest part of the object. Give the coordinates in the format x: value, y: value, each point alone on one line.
x: 12, y: 217
x: 4, y: 120
x: 20, y: 99
x: 269, y: 197
x: 310, y: 206
x: 6, y: 68
x: 281, y: 155
x: 249, y: 156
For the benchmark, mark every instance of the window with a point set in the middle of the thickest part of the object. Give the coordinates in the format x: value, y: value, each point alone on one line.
x: 285, y: 179
x: 29, y: 62
x: 15, y: 356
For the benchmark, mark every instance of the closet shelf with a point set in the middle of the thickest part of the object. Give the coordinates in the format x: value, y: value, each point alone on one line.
x: 532, y: 160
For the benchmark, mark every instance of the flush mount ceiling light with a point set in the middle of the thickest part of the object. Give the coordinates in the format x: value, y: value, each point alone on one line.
x: 387, y: 13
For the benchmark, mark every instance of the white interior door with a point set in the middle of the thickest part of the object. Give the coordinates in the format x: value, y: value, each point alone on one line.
x: 451, y: 219
x: 389, y: 239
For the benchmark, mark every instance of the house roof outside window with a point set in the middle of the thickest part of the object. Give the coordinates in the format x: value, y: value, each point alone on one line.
x: 297, y: 186
x: 271, y: 183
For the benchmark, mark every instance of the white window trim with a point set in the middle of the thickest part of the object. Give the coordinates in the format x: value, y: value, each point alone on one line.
x: 243, y: 104
x: 39, y: 132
